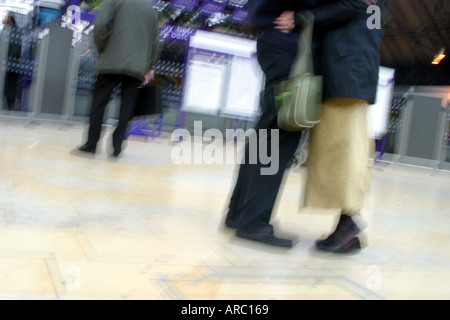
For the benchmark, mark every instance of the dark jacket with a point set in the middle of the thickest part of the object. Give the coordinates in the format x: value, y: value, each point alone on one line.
x: 349, y: 55
x: 345, y: 50
x: 126, y: 33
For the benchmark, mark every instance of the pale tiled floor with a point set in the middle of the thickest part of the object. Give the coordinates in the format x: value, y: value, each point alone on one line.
x: 144, y: 228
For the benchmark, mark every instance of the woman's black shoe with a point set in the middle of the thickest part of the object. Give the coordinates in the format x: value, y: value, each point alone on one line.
x: 352, y: 246
x: 343, y: 239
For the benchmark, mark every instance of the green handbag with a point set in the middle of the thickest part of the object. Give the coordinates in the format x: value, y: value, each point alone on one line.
x: 299, y: 99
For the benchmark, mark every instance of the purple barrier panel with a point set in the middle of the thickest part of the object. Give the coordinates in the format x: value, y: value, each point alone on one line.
x: 185, y: 5
x: 170, y: 31
x: 380, y: 145
x: 209, y: 7
x: 239, y: 16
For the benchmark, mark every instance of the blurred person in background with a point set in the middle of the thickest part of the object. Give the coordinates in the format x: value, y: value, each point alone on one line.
x: 340, y: 147
x: 254, y: 195
x: 126, y: 35
x: 14, y: 51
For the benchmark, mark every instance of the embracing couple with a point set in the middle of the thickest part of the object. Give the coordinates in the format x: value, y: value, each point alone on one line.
x: 346, y: 54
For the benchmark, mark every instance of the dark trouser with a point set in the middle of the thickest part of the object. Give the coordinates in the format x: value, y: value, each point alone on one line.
x: 103, y: 89
x: 254, y: 195
x: 11, y: 82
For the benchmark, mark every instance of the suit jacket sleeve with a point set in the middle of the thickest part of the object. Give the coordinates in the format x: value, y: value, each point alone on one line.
x: 104, y: 24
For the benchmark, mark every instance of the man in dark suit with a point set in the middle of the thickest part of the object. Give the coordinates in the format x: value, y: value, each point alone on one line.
x: 254, y: 195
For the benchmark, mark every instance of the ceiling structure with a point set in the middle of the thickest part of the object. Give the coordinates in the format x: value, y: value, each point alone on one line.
x: 416, y: 31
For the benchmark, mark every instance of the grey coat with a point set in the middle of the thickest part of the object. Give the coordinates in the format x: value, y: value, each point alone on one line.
x: 126, y: 34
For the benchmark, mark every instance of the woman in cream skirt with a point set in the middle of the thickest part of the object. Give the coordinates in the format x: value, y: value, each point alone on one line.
x: 347, y: 40
x: 339, y: 168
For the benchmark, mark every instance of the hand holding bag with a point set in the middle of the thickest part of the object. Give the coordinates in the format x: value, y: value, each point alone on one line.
x: 299, y: 99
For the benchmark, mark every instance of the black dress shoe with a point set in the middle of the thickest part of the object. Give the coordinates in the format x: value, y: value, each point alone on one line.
x: 84, y: 151
x: 343, y: 239
x: 115, y: 154
x: 266, y: 237
x: 87, y: 148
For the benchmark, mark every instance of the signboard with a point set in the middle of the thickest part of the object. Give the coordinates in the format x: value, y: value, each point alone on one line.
x: 173, y: 32
x: 223, y: 76
x: 244, y: 87
x: 205, y: 79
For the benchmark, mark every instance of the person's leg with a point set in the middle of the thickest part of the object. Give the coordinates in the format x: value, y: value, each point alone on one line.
x: 103, y: 89
x: 257, y: 204
x: 11, y: 80
x: 258, y: 189
x: 247, y: 169
x: 129, y: 92
x: 255, y: 193
x: 339, y: 169
x: 233, y: 213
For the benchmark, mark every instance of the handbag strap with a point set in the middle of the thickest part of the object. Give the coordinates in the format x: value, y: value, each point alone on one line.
x: 304, y: 60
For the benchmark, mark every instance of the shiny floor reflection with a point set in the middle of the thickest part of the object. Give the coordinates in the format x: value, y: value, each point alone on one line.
x: 142, y: 227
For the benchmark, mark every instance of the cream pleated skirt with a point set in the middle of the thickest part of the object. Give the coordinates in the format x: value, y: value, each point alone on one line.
x: 338, y: 157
